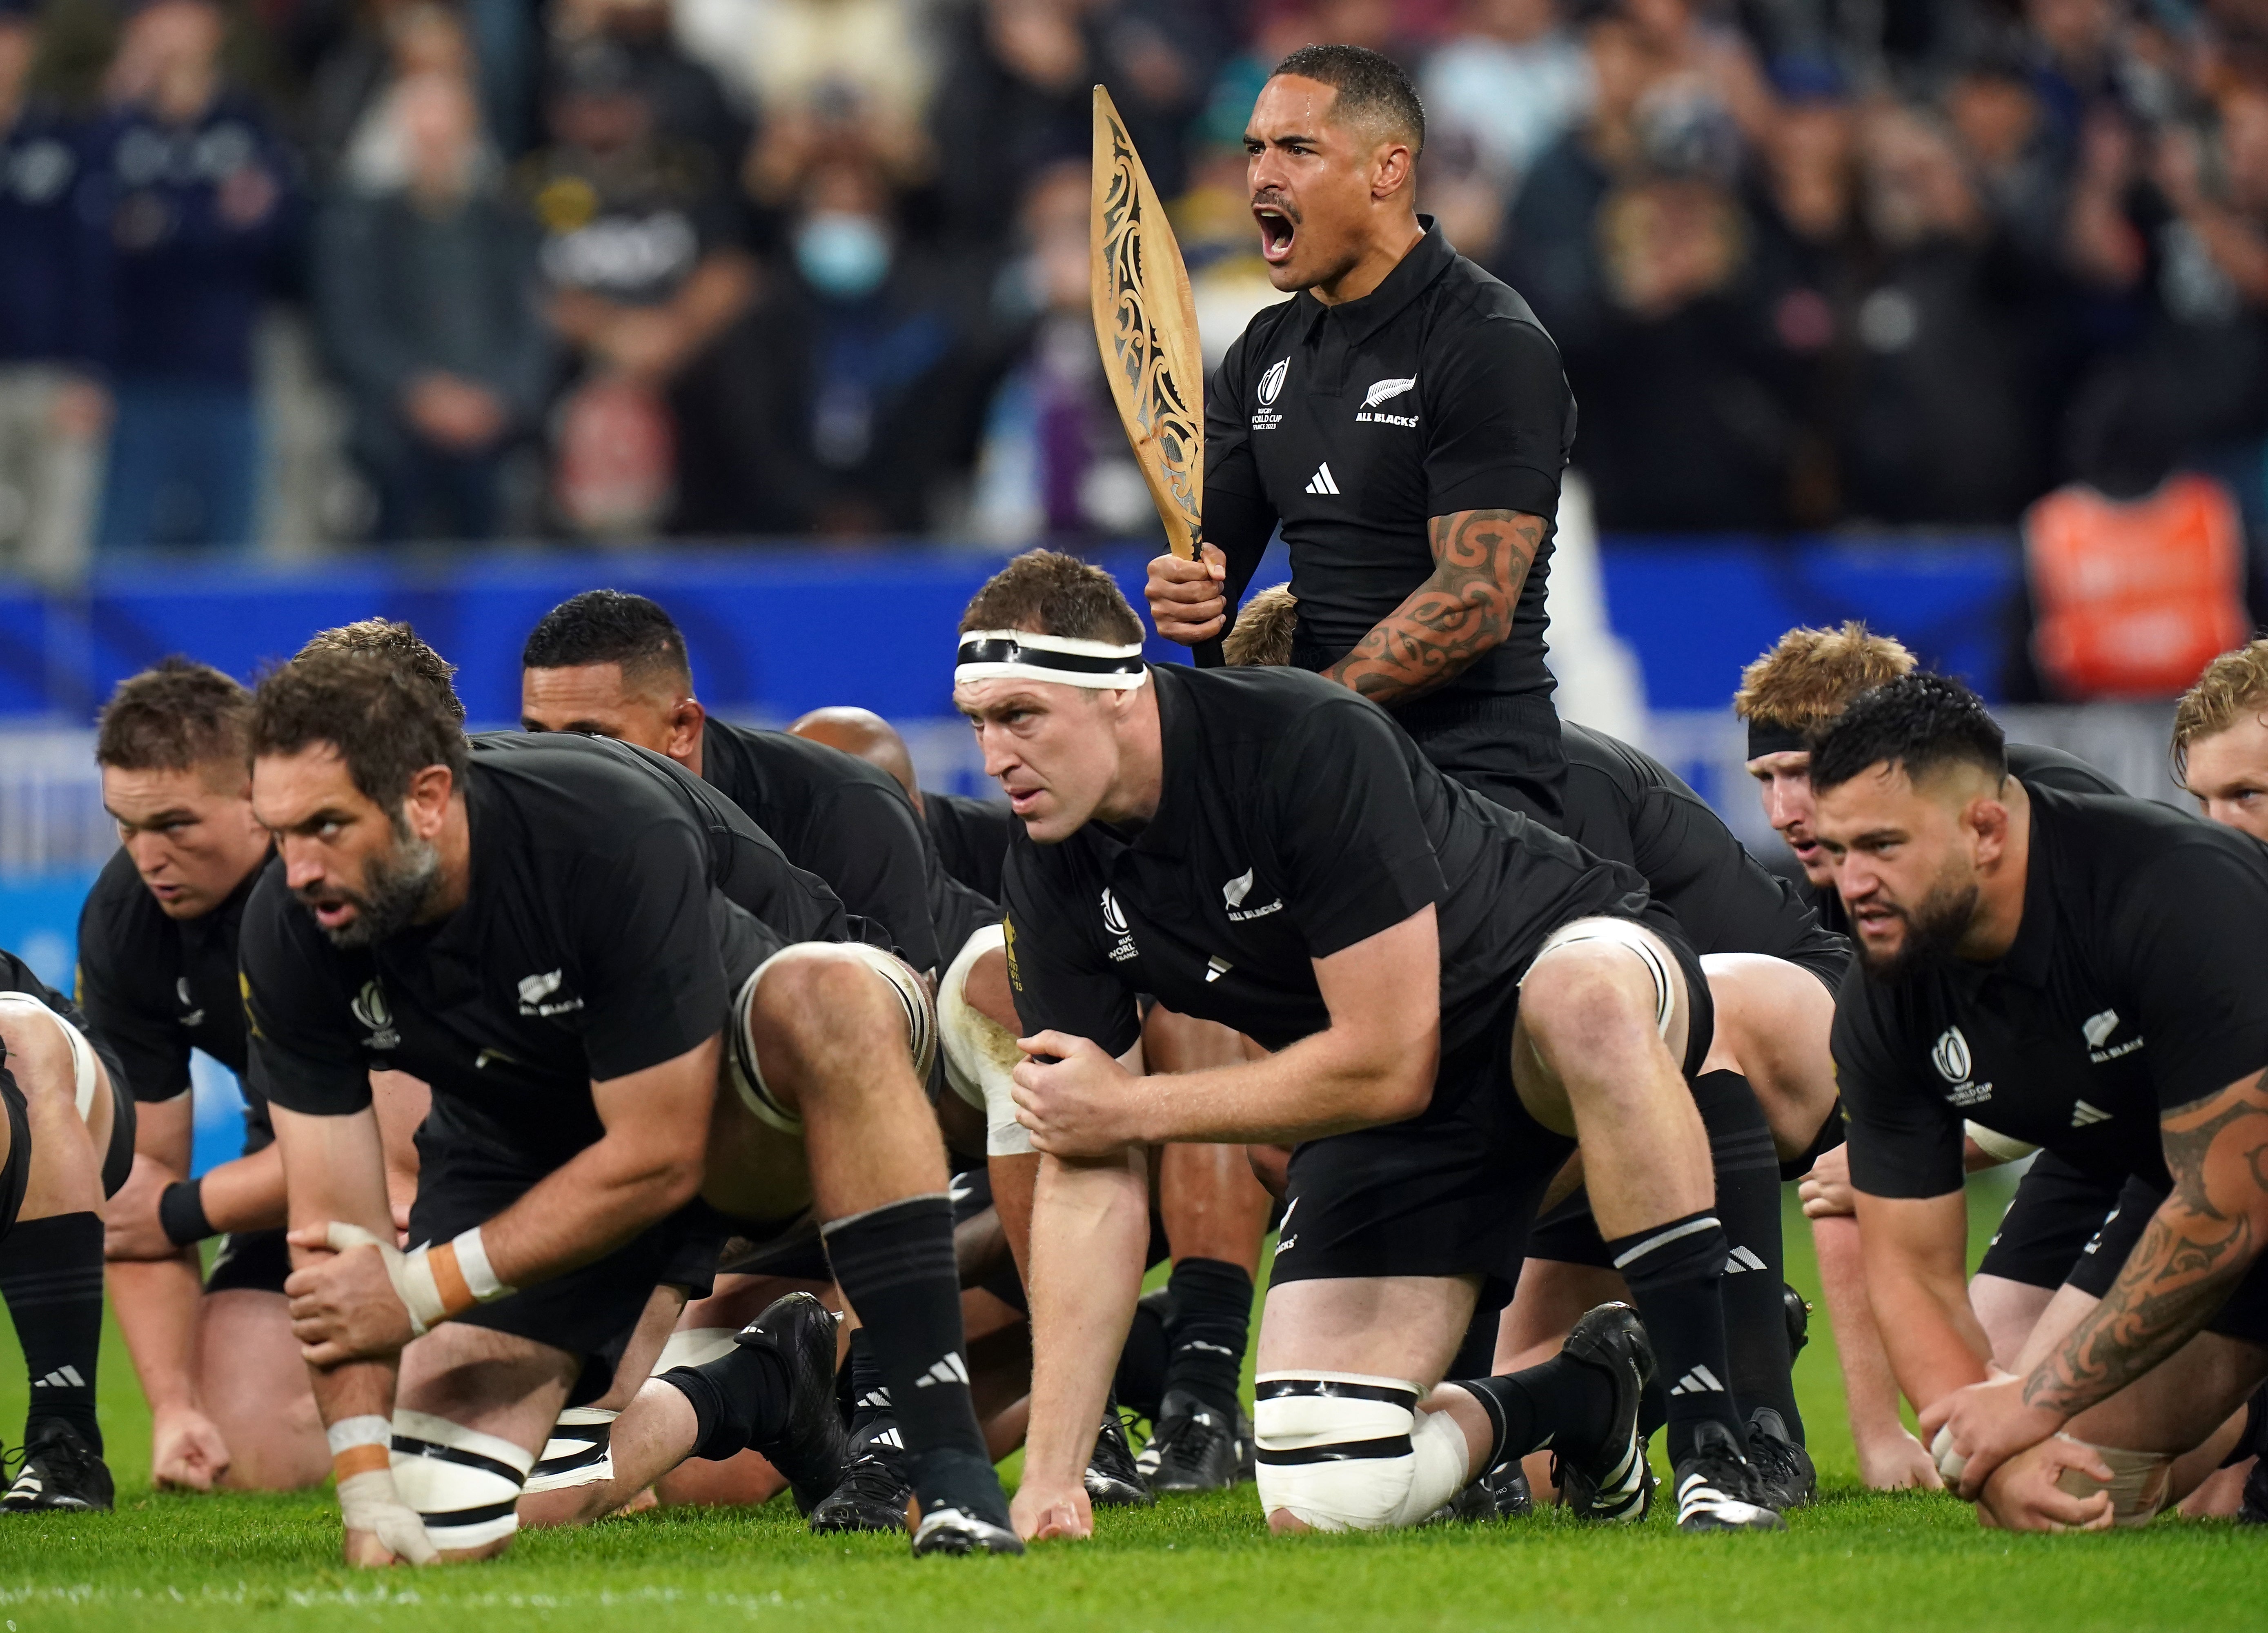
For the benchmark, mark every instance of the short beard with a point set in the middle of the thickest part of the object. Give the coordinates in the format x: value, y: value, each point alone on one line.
x: 1934, y: 928
x: 395, y: 887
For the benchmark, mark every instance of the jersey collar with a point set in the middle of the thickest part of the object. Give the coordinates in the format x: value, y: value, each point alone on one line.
x: 1360, y: 319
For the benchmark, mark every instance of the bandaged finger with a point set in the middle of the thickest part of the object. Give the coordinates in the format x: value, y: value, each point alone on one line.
x: 362, y: 1458
x: 1950, y: 1463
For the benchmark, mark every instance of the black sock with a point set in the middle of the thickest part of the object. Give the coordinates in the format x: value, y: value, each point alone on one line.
x: 739, y: 1400
x: 1475, y: 1355
x: 1562, y: 1401
x: 895, y: 1264
x: 1675, y: 1271
x: 1748, y: 1206
x: 51, y: 1276
x: 871, y: 1420
x: 1207, y: 1325
x: 1140, y: 1384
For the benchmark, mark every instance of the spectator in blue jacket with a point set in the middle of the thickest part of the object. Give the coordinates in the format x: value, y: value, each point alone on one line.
x: 53, y: 274
x: 427, y: 297
x: 199, y: 202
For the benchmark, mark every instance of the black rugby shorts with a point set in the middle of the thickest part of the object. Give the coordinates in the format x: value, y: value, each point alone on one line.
x: 2057, y: 1209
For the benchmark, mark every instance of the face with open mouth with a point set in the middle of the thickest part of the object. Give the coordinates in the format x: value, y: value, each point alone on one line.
x: 1310, y: 181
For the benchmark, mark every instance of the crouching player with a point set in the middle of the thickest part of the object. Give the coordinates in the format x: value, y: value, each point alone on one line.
x: 1453, y: 997
x: 2084, y: 970
x: 540, y: 935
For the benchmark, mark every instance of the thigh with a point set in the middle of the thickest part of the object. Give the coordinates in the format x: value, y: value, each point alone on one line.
x: 255, y: 1386
x: 1405, y: 1327
x: 499, y: 1383
x: 1662, y: 976
x: 2178, y: 1403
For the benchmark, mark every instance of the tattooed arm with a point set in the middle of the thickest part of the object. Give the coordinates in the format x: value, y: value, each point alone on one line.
x: 2196, y: 1249
x: 1464, y: 608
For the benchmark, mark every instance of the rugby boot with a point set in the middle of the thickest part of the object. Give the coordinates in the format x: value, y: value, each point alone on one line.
x: 2253, y: 1511
x: 1718, y: 1489
x: 60, y: 1471
x: 1783, y: 1472
x: 1799, y: 1321
x: 1501, y: 1493
x: 1196, y: 1447
x: 875, y: 1494
x: 948, y: 1530
x: 812, y: 1451
x: 1613, y: 1481
x: 1112, y: 1479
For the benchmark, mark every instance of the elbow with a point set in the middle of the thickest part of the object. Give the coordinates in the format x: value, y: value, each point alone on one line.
x: 673, y: 1180
x: 1400, y: 1084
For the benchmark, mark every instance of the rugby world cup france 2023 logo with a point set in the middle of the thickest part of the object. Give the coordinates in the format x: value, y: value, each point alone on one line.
x: 1264, y: 416
x: 1954, y: 1063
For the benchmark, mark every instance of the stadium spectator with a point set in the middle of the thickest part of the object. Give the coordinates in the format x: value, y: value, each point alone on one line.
x: 53, y: 274
x: 1511, y: 82
x: 646, y: 267
x: 352, y: 139
x: 427, y: 301
x: 201, y: 204
x: 687, y: 102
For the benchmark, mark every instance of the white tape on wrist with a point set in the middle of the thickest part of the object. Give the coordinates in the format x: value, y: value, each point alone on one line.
x: 481, y: 1278
x: 433, y: 1283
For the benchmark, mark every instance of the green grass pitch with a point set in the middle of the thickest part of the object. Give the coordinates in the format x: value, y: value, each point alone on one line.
x: 231, y: 1563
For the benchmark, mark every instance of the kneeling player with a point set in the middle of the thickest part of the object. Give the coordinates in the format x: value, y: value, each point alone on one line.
x: 66, y: 1143
x: 1453, y: 996
x: 2085, y: 968
x: 541, y: 935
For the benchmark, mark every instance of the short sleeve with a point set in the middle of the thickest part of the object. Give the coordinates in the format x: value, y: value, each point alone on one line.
x: 302, y: 1048
x: 879, y: 864
x: 1346, y: 826
x: 1905, y: 1139
x: 1498, y: 402
x: 644, y: 930
x: 1063, y: 982
x: 151, y: 1048
x: 1229, y: 464
x: 2196, y: 923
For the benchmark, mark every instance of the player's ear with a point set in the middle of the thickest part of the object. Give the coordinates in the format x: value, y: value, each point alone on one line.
x: 428, y: 799
x: 1390, y: 169
x: 685, y: 718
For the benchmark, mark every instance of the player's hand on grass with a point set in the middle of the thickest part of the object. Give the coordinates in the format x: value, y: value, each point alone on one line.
x: 1081, y: 1105
x: 1188, y: 601
x: 1896, y: 1463
x: 1825, y: 1191
x: 1973, y: 1431
x: 1040, y: 1513
x: 186, y: 1451
x: 2024, y: 1493
x: 344, y: 1306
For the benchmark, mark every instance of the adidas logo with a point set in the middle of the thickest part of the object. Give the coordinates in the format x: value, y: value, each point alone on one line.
x: 2084, y: 1115
x: 61, y: 1377
x: 890, y: 1437
x: 951, y: 1369
x: 1742, y: 1258
x: 1216, y: 967
x: 1700, y: 1380
x: 1320, y: 482
x: 879, y: 1399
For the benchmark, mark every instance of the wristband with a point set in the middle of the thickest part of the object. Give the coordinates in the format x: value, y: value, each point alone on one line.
x: 360, y: 1446
x: 181, y: 1212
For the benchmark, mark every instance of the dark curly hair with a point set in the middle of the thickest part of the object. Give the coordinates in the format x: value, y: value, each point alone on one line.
x: 1921, y: 721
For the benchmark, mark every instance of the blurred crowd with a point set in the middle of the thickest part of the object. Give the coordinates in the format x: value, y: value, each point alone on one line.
x: 623, y: 268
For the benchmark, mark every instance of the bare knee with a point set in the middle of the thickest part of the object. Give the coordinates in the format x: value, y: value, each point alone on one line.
x: 988, y: 993
x: 40, y: 1057
x: 816, y: 995
x: 1589, y: 1002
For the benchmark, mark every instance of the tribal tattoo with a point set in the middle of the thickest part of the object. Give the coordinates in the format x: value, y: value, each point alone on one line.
x: 2200, y: 1242
x: 1465, y: 607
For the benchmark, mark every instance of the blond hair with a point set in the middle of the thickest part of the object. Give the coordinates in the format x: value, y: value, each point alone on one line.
x: 2233, y: 684
x: 1265, y: 628
x: 1810, y: 676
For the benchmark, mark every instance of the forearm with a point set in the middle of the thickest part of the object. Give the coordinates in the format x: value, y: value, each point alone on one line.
x: 1932, y: 1338
x: 1464, y: 608
x: 583, y: 1210
x: 157, y: 1301
x: 1326, y: 1084
x: 1089, y: 1224
x: 1870, y: 1392
x: 246, y: 1195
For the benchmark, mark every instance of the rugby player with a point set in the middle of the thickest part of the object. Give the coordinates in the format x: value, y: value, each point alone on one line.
x: 2220, y: 739
x: 1452, y: 993
x: 2077, y: 965
x: 228, y: 1394
x: 1404, y: 419
x: 1807, y: 679
x: 66, y: 1145
x: 1772, y: 972
x: 550, y: 935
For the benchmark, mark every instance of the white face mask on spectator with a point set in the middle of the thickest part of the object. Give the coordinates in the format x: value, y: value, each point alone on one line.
x: 842, y: 255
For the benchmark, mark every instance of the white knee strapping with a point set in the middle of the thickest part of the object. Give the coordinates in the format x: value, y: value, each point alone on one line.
x: 579, y: 1451
x: 1350, y: 1451
x: 1623, y: 932
x: 746, y: 1072
x: 2138, y: 1483
x: 693, y: 1346
x: 464, y: 1484
x: 82, y: 1053
x: 981, y: 1055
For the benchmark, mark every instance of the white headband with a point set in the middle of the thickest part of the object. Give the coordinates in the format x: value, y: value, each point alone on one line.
x: 1022, y: 655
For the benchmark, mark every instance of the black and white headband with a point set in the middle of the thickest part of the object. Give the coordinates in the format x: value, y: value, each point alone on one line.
x: 1065, y: 660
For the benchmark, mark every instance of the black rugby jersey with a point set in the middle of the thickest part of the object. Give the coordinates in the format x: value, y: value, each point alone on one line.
x: 594, y: 942
x: 1436, y: 393
x: 2029, y: 764
x: 837, y: 816
x: 970, y: 837
x: 1626, y: 805
x: 2138, y: 982
x: 1295, y: 819
x: 156, y: 987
